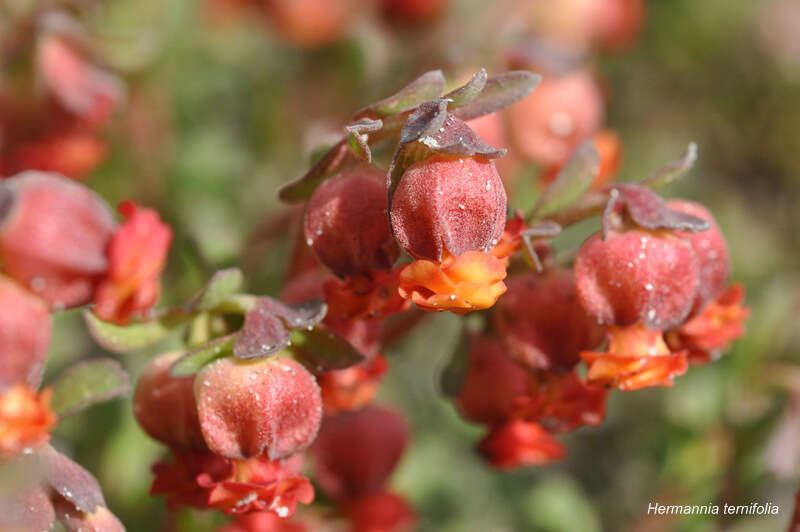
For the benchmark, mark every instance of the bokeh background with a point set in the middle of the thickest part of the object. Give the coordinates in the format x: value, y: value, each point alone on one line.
x: 223, y: 106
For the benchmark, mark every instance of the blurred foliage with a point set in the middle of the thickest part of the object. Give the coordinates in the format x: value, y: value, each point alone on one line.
x: 221, y: 113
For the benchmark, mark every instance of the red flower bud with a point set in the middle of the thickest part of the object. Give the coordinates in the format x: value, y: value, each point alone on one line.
x: 136, y: 256
x: 346, y: 223
x: 637, y: 276
x: 542, y: 323
x: 448, y: 205
x: 519, y: 444
x: 356, y: 452
x: 165, y: 406
x: 53, y: 237
x: 269, y: 407
x: 711, y: 251
x: 492, y: 383
x: 563, y: 111
x: 25, y: 329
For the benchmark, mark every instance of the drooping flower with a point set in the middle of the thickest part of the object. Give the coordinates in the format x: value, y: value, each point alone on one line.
x: 53, y: 237
x: 707, y: 335
x: 561, y: 402
x: 354, y: 387
x: 380, y: 512
x: 136, y: 257
x: 519, y: 443
x: 473, y: 281
x: 346, y: 223
x: 270, y: 407
x: 203, y: 479
x: 25, y: 420
x: 636, y: 357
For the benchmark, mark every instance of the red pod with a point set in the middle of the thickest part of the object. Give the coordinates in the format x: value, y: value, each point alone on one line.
x: 561, y: 113
x: 25, y: 331
x: 492, y: 384
x: 270, y: 407
x: 346, y: 223
x: 356, y: 452
x: 709, y: 246
x: 165, y: 406
x: 53, y: 237
x: 449, y: 205
x: 637, y: 276
x: 542, y: 323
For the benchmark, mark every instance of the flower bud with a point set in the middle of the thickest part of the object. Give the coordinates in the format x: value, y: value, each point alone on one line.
x: 519, y: 444
x: 25, y: 330
x: 356, y: 452
x: 165, y: 406
x: 380, y: 512
x: 709, y: 246
x: 53, y: 237
x: 448, y: 205
x: 563, y: 111
x: 492, y: 383
x: 637, y: 276
x: 346, y: 223
x: 269, y: 407
x: 25, y: 420
x: 542, y: 323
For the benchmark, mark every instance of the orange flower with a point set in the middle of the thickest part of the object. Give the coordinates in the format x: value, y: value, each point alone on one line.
x: 562, y: 402
x: 352, y: 388
x: 25, y: 419
x: 136, y: 255
x: 636, y: 358
x: 364, y: 297
x: 609, y: 148
x: 520, y: 443
x: 207, y: 480
x: 708, y: 334
x: 473, y: 281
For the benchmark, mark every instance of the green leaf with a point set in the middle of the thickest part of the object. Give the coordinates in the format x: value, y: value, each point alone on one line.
x: 500, y: 92
x: 302, y: 188
x: 321, y: 349
x: 468, y: 92
x: 674, y: 170
x: 426, y: 87
x: 222, y: 285
x: 193, y: 361
x: 130, y: 338
x: 87, y: 383
x: 573, y: 181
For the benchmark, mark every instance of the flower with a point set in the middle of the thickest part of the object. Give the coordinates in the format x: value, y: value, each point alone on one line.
x: 473, y: 281
x: 542, y: 323
x: 709, y: 333
x: 269, y: 407
x: 136, y: 256
x: 203, y: 479
x: 164, y: 406
x: 380, y: 512
x: 636, y: 358
x: 561, y: 402
x: 448, y: 205
x: 25, y: 419
x: 346, y: 224
x: 364, y: 296
x: 53, y: 237
x: 520, y: 443
x: 354, y: 387
x: 355, y: 452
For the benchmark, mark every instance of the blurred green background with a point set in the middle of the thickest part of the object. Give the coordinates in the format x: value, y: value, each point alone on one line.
x: 222, y: 111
